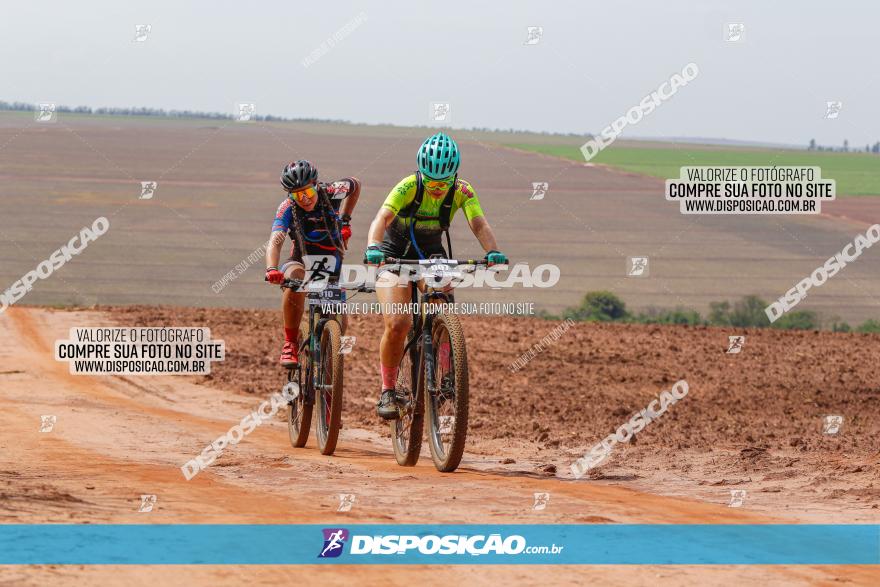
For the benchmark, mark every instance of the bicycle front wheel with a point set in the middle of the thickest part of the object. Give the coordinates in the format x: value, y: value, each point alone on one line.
x: 406, y: 431
x: 299, y: 411
x: 446, y: 393
x: 328, y: 388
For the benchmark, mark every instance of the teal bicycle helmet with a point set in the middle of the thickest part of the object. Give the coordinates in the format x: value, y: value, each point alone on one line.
x: 438, y: 157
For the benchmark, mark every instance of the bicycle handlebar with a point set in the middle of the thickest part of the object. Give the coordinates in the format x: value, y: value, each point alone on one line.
x: 296, y: 285
x: 394, y: 261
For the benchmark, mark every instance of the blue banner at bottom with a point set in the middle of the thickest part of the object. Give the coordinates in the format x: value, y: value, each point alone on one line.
x: 601, y: 544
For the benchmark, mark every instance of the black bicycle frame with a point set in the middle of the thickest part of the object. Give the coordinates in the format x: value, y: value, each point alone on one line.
x: 317, y: 320
x: 311, y: 344
x: 422, y: 329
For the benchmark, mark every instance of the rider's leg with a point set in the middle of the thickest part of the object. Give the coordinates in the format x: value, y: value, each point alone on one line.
x: 292, y: 311
x: 343, y: 318
x: 397, y: 325
x: 444, y: 354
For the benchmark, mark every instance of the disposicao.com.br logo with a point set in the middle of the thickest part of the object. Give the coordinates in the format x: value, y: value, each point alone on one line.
x: 430, y: 544
x: 334, y: 541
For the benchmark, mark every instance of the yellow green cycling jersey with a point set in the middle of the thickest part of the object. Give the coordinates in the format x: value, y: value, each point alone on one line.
x: 427, y: 217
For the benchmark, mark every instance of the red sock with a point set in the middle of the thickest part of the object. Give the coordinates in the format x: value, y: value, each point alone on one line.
x: 389, y: 376
x: 290, y: 334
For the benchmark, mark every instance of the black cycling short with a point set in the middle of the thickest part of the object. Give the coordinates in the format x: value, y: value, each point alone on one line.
x: 398, y: 246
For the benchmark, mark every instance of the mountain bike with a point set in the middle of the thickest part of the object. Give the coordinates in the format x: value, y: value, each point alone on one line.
x: 432, y: 380
x: 318, y: 379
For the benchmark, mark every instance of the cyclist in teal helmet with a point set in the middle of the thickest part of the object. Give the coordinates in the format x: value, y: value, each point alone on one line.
x: 410, y: 225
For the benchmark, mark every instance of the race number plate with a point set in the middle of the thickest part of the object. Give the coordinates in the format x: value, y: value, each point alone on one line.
x: 332, y: 294
x: 440, y: 271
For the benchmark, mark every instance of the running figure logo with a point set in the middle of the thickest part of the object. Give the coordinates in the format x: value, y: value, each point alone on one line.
x: 541, y: 501
x: 539, y: 190
x: 534, y: 35
x: 334, y: 541
x: 141, y: 31
x: 47, y: 423
x: 246, y: 112
x: 347, y: 344
x: 147, y: 503
x: 147, y: 190
x: 46, y: 112
x: 440, y: 111
x: 637, y: 267
x: 318, y: 269
x: 735, y: 344
x: 832, y: 109
x: 339, y: 190
x: 737, y: 497
x: 735, y: 32
x: 346, y: 500
x: 832, y: 425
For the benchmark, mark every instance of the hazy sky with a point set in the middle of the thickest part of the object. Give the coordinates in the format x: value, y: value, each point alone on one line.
x: 595, y: 61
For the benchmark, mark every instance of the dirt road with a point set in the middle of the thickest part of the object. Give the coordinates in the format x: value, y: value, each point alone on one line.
x: 117, y: 438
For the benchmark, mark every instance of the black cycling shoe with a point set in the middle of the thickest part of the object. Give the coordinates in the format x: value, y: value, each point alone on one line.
x: 387, y: 406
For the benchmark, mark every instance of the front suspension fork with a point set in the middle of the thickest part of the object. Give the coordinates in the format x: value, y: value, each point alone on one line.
x: 428, y: 350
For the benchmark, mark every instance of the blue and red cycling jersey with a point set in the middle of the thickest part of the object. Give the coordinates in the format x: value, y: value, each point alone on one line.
x: 319, y: 228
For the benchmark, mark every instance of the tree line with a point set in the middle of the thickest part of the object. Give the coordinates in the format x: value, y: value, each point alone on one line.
x: 160, y: 112
x: 875, y: 148
x: 144, y: 111
x: 748, y: 312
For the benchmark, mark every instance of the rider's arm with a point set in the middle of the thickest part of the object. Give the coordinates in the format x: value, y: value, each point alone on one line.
x: 280, y: 226
x: 273, y: 250
x: 383, y: 218
x: 481, y: 229
x: 350, y: 201
x: 399, y: 196
x: 466, y: 198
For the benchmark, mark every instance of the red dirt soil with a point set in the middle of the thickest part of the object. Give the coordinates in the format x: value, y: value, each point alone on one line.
x: 752, y: 419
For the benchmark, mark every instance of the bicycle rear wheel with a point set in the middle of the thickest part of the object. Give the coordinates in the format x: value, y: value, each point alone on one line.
x: 328, y: 388
x: 447, y: 404
x: 406, y: 431
x: 299, y: 411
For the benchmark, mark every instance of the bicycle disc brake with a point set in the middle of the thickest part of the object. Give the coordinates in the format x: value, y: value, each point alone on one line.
x: 446, y: 391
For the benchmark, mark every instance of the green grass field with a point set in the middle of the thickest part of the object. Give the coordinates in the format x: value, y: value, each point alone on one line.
x: 857, y: 174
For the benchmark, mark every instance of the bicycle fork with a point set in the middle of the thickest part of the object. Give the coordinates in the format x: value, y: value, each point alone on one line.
x: 428, y: 353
